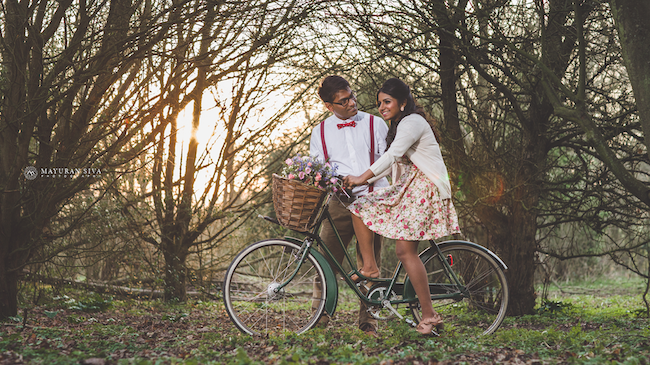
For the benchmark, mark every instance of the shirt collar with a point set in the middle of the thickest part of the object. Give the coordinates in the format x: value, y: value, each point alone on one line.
x: 357, y: 118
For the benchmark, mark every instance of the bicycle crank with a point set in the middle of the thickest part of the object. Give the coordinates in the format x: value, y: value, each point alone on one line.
x: 380, y: 293
x: 387, y: 305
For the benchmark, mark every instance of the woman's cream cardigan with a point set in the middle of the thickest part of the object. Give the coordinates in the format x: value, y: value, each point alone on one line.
x: 415, y: 139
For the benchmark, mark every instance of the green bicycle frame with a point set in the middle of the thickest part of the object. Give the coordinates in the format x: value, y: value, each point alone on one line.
x: 409, y: 291
x: 434, y: 249
x: 457, y: 289
x: 330, y: 279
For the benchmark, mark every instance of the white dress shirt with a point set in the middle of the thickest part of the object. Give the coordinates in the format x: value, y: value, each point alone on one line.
x: 348, y: 148
x: 415, y: 139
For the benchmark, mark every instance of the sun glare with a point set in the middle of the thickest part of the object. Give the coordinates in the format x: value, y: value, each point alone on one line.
x: 210, y: 135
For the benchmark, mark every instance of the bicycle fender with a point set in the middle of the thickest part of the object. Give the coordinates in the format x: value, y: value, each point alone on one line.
x: 330, y: 279
x: 409, y: 292
x: 490, y: 253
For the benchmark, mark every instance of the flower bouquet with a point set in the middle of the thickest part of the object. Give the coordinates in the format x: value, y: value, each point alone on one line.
x: 310, y: 171
x: 300, y: 190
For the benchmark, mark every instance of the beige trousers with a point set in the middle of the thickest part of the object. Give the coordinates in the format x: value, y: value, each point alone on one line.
x: 342, y: 218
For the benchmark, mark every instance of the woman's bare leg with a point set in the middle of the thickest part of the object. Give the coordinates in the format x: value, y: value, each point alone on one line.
x: 407, y: 253
x: 365, y: 238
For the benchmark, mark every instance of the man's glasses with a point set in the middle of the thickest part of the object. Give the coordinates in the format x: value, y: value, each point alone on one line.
x: 346, y: 101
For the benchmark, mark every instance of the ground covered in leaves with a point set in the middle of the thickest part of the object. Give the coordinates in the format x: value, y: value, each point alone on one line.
x: 576, y: 329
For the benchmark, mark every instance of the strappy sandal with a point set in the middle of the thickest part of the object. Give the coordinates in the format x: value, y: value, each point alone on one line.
x: 426, y: 327
x: 356, y: 278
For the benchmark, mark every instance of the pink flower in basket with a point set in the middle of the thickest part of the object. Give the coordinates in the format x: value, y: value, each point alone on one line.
x: 313, y: 172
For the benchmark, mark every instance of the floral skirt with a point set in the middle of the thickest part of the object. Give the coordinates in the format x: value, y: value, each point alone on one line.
x: 409, y: 210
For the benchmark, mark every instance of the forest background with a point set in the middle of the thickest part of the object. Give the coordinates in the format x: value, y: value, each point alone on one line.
x: 137, y: 138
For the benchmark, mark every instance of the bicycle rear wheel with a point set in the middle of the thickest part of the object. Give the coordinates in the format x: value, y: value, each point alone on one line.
x: 483, y: 307
x: 250, y: 289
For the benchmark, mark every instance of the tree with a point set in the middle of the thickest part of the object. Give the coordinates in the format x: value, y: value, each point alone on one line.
x: 500, y: 175
x: 69, y: 71
x: 480, y: 66
x: 571, y: 42
x: 571, y: 102
x: 235, y: 52
x: 634, y: 33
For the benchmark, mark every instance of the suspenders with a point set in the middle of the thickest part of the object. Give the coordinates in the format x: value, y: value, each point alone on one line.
x: 322, y: 140
x: 372, y: 143
x: 372, y: 147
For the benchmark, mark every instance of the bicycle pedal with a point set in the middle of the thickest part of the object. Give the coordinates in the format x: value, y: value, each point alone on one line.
x: 363, y: 286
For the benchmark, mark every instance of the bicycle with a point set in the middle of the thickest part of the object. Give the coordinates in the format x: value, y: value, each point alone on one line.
x: 269, y: 286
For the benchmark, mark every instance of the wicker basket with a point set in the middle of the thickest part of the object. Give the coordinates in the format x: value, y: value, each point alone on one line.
x: 296, y: 204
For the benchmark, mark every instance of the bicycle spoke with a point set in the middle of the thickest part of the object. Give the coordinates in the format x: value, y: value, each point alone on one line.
x: 484, y: 304
x: 269, y: 308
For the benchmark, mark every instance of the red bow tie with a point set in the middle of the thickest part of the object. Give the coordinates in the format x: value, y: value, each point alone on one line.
x: 349, y: 124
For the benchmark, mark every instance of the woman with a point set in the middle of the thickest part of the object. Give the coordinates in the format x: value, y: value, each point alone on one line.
x: 417, y: 206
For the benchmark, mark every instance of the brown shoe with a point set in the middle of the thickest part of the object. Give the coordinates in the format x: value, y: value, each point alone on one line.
x: 369, y: 329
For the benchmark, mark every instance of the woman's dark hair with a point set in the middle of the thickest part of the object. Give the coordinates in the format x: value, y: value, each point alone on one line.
x: 330, y: 86
x: 399, y: 90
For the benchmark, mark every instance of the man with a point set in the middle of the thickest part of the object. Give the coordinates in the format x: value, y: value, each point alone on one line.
x: 352, y: 141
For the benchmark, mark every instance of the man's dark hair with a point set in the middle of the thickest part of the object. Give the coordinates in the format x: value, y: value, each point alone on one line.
x: 330, y: 86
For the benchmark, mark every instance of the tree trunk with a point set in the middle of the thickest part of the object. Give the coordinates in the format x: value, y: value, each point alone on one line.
x: 517, y: 249
x: 8, y: 291
x: 8, y: 279
x: 631, y: 17
x: 511, y: 235
x: 448, y: 79
x: 519, y: 256
x: 175, y: 276
x: 17, y: 242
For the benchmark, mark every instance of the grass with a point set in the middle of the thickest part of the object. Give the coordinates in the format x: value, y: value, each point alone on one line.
x: 589, y: 324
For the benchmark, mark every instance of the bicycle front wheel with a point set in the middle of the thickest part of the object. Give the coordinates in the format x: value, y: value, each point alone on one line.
x: 482, y: 307
x: 251, y: 295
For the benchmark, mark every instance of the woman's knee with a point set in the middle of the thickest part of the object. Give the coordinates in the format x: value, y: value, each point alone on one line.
x: 401, y: 255
x: 405, y: 249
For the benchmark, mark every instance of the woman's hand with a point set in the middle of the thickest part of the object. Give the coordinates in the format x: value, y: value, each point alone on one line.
x: 351, y: 181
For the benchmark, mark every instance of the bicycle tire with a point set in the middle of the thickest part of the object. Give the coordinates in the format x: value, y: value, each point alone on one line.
x: 248, y: 293
x: 484, y: 279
